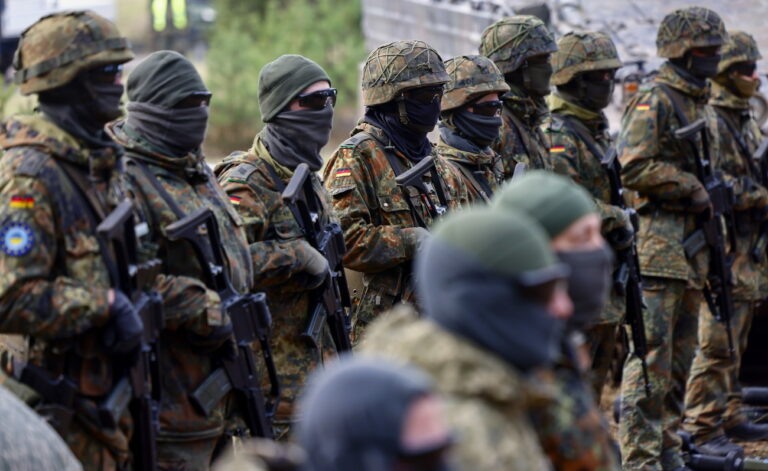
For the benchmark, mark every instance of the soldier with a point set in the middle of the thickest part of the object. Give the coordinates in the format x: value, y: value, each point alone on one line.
x: 713, y: 399
x: 521, y: 47
x: 367, y: 414
x: 470, y: 119
x: 494, y: 300
x: 28, y: 442
x: 571, y: 429
x: 383, y: 224
x: 296, y: 104
x: 58, y: 180
x: 671, y: 198
x: 577, y: 137
x: 167, y: 175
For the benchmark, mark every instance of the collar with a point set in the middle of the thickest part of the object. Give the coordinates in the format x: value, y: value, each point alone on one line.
x: 259, y: 149
x: 596, y: 122
x: 457, y: 155
x: 670, y: 76
x: 530, y: 110
x: 721, y: 96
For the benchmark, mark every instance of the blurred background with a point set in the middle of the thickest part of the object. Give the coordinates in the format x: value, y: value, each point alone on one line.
x: 231, y: 40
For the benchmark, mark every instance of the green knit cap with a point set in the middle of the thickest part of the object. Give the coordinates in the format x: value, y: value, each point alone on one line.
x: 283, y: 79
x: 553, y: 200
x: 508, y: 243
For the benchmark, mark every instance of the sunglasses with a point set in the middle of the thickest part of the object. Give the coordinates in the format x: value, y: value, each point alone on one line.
x: 487, y: 108
x: 194, y: 100
x: 746, y: 69
x: 319, y: 99
x: 425, y: 95
x: 106, y: 73
x: 606, y: 75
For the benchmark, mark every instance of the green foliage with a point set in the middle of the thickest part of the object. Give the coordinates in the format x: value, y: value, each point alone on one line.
x: 326, y: 31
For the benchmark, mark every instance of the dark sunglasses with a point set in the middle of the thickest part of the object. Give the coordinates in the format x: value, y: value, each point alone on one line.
x: 746, y: 69
x: 319, y: 99
x: 487, y: 108
x: 194, y: 100
x: 606, y: 75
x: 425, y: 95
x: 105, y: 73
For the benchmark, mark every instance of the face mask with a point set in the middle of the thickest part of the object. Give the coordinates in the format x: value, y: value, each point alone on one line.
x: 481, y: 129
x: 588, y: 284
x: 106, y: 99
x: 703, y: 66
x: 422, y: 117
x: 597, y: 94
x: 175, y: 131
x: 745, y: 87
x: 295, y: 137
x: 536, y: 78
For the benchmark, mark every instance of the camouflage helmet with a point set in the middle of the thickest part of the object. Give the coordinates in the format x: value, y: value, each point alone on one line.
x: 740, y: 47
x: 687, y: 28
x: 471, y: 77
x: 57, y: 47
x: 398, y: 66
x: 511, y: 41
x: 582, y: 52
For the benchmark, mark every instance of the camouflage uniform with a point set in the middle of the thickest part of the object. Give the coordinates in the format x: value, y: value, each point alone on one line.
x: 376, y: 218
x: 55, y: 279
x: 485, y: 399
x: 713, y: 397
x: 278, y: 251
x: 186, y: 438
x: 22, y: 433
x: 571, y: 155
x: 471, y: 78
x: 661, y: 169
x: 508, y: 43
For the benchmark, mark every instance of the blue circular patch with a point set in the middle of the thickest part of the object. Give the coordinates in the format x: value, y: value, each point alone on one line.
x: 16, y: 239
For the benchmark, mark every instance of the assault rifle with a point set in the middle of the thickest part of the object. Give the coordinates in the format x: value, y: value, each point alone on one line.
x: 733, y: 461
x: 410, y: 181
x: 711, y: 233
x: 141, y: 386
x: 627, y: 281
x: 251, y: 321
x: 330, y: 302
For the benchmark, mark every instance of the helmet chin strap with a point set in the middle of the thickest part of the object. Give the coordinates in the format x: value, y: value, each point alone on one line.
x: 402, y: 114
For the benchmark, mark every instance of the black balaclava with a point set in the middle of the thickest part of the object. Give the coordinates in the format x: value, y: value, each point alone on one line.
x: 82, y: 107
x: 534, y: 78
x: 461, y: 295
x: 410, y: 139
x: 696, y: 69
x: 480, y: 130
x: 353, y: 412
x: 155, y: 86
x: 594, y: 95
x: 294, y: 137
x: 588, y: 285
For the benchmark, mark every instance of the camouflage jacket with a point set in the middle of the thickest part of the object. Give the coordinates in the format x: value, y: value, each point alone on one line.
x: 376, y: 218
x: 190, y: 309
x: 735, y: 123
x: 55, y: 282
x: 662, y: 171
x: 569, y: 155
x: 520, y: 139
x: 279, y: 254
x: 486, y: 401
x: 571, y: 428
x: 480, y: 172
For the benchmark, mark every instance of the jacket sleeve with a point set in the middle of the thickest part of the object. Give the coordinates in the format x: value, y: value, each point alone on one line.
x: 372, y: 245
x: 644, y: 141
x: 35, y: 298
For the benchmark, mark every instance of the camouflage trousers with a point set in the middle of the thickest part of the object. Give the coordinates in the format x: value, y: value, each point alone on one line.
x: 648, y: 425
x: 601, y: 340
x: 713, y: 395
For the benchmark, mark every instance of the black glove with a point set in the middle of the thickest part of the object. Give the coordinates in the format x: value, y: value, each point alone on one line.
x: 123, y: 331
x: 621, y: 238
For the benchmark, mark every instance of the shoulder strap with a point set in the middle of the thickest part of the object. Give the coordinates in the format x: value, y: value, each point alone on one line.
x: 578, y: 129
x: 674, y: 97
x: 480, y: 185
x: 243, y: 170
x: 739, y: 138
x: 32, y: 164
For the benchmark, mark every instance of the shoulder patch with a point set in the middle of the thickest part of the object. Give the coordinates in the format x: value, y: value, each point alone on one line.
x: 557, y: 149
x: 644, y: 106
x: 355, y: 140
x: 22, y: 202
x: 32, y: 164
x: 16, y: 239
x: 343, y: 172
x: 241, y: 172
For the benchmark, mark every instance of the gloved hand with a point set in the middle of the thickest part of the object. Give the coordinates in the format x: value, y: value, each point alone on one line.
x: 621, y: 237
x: 700, y: 202
x: 124, y: 328
x: 416, y: 236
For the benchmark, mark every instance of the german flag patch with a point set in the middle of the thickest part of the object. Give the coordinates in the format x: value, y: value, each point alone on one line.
x: 344, y: 172
x: 22, y: 202
x: 557, y: 149
x: 235, y: 200
x: 643, y: 107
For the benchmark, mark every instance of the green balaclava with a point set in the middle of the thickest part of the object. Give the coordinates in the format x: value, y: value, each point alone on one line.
x: 283, y: 79
x: 556, y: 202
x: 553, y: 200
x: 155, y: 87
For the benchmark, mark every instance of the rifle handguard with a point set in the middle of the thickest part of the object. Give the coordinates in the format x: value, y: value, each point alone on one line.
x: 687, y: 132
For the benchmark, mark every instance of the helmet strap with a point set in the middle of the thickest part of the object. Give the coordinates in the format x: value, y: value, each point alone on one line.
x: 402, y: 113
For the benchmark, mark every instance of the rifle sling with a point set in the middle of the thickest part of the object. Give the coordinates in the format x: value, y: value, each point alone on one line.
x: 588, y: 140
x: 678, y: 108
x: 281, y: 187
x: 478, y: 183
x: 739, y: 138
